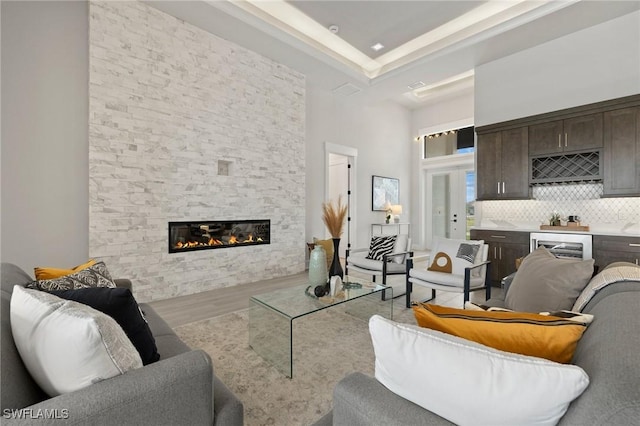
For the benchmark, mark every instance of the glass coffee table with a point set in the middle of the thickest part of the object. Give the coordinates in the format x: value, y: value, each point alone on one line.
x: 271, y: 315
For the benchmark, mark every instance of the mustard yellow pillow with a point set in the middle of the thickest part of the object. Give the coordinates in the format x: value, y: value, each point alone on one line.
x: 542, y: 336
x: 46, y: 273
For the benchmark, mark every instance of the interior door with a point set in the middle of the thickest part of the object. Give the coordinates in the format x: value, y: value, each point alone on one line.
x: 450, y: 196
x: 339, y: 187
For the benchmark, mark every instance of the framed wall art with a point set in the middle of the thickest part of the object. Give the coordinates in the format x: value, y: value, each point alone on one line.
x: 384, y: 189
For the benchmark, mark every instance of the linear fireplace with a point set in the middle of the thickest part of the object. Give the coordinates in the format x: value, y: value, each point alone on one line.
x: 204, y: 235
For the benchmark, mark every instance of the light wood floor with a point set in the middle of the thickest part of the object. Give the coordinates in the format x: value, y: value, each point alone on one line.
x: 185, y: 309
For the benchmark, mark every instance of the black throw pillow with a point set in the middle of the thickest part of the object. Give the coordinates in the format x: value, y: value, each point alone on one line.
x: 120, y: 305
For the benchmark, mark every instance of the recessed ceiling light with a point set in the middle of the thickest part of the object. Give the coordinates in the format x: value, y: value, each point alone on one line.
x: 377, y: 46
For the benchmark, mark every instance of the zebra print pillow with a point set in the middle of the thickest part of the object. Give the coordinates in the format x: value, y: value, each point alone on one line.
x: 380, y: 246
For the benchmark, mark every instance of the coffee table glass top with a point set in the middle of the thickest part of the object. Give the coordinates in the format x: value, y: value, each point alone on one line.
x: 272, y: 315
x: 298, y: 301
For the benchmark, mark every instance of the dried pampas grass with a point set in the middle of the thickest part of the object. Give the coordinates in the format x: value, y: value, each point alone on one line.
x: 333, y: 217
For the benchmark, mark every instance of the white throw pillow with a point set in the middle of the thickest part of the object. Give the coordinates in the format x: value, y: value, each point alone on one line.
x: 468, y: 383
x: 66, y: 345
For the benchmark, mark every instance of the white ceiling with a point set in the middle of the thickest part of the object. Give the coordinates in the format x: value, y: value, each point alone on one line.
x: 436, y: 42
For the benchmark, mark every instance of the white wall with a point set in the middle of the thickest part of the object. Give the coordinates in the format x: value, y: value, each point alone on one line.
x: 382, y: 135
x: 598, y: 63
x: 45, y: 175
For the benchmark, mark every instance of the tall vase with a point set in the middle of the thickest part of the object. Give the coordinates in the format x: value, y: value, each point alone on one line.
x: 318, y: 266
x: 336, y: 267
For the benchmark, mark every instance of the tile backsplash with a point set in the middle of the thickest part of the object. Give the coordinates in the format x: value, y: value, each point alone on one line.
x: 582, y: 200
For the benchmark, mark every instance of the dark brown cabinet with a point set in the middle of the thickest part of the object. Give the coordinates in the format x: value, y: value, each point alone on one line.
x: 501, y: 166
x: 622, y: 152
x: 572, y: 134
x: 504, y: 248
x: 608, y: 249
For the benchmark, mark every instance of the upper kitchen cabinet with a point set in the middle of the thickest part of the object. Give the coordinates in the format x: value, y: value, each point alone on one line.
x: 501, y: 167
x: 572, y: 134
x: 598, y: 142
x: 622, y: 152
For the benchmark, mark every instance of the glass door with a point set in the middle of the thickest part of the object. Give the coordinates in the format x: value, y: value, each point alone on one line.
x: 450, y: 203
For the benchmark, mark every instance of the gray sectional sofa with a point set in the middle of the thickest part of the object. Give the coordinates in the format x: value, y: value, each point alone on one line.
x: 179, y: 389
x: 609, y: 352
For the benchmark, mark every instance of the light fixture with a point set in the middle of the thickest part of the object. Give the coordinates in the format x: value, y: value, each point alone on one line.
x: 396, y: 210
x: 437, y: 135
x: 378, y: 46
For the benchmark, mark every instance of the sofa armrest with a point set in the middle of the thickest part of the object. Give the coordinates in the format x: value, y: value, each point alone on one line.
x: 123, y: 283
x: 177, y: 390
x: 360, y: 400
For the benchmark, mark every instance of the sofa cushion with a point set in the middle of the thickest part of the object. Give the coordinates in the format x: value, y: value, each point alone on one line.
x: 66, y: 345
x: 120, y: 305
x: 468, y: 383
x: 95, y: 275
x: 546, y: 283
x: 17, y: 388
x: 608, y: 352
x: 47, y: 273
x: 544, y: 336
x: 380, y: 246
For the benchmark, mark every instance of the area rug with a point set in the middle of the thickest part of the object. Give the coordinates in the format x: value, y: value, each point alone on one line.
x: 328, y: 345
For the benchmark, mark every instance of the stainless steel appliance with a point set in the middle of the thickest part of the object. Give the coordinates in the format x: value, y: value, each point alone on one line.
x: 564, y: 246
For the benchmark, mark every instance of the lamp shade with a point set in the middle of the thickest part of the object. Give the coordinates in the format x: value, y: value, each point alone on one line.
x: 396, y: 209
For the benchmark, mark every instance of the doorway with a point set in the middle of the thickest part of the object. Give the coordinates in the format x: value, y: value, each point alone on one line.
x: 340, y: 182
x: 449, y: 202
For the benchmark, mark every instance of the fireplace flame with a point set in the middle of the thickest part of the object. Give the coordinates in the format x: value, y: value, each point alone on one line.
x: 214, y: 242
x: 206, y: 240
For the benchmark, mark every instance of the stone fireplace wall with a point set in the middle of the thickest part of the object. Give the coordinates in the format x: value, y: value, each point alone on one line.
x: 187, y: 126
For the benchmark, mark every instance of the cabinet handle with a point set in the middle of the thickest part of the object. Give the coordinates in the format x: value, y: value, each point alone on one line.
x: 503, y: 192
x: 498, y: 188
x: 565, y: 140
x: 498, y: 236
x: 559, y: 140
x: 634, y: 245
x: 500, y: 253
x: 495, y: 256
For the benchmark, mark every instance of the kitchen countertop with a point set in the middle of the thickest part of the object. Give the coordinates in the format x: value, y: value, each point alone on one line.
x: 626, y: 230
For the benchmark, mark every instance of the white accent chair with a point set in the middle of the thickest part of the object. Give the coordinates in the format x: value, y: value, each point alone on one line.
x: 392, y: 264
x: 465, y: 276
